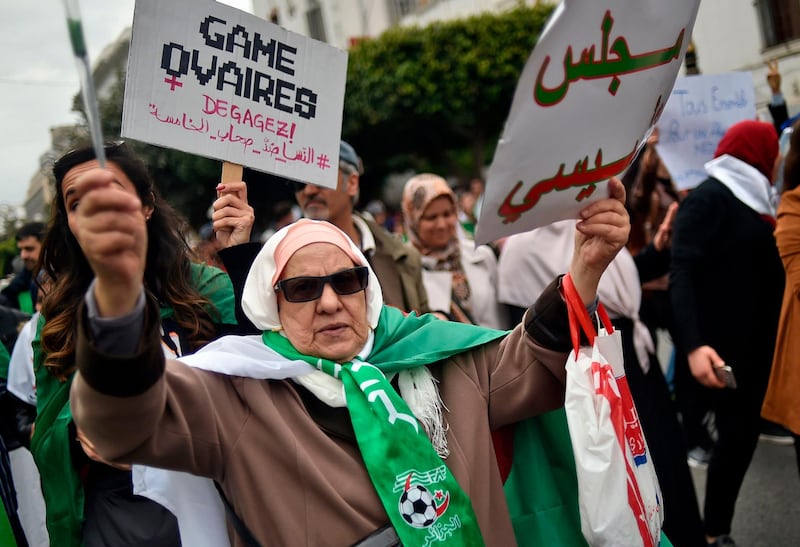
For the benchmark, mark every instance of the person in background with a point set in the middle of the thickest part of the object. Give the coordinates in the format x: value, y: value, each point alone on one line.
x: 777, y: 103
x: 11, y: 530
x: 651, y: 194
x: 460, y: 277
x: 466, y: 207
x: 726, y: 286
x: 782, y: 400
x: 21, y: 292
x: 295, y: 465
x: 476, y: 188
x: 397, y: 265
x: 21, y: 385
x: 89, y: 502
x: 207, y: 246
x: 283, y: 214
x: 377, y: 210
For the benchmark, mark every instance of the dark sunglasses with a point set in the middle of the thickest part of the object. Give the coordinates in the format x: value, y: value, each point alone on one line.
x: 308, y: 288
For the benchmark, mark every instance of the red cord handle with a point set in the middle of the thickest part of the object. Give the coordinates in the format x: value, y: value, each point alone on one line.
x: 579, y: 318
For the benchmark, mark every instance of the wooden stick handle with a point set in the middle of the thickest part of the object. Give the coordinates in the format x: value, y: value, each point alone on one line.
x: 231, y: 172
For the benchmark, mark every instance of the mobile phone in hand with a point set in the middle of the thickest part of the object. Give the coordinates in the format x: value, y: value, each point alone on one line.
x: 725, y: 373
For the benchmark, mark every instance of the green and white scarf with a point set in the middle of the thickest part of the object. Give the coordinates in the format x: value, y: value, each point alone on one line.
x: 419, y: 493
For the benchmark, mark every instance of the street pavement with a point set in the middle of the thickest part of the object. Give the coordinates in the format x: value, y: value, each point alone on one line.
x: 768, y: 508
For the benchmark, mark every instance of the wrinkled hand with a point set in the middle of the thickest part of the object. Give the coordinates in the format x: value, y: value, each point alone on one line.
x: 702, y: 361
x: 601, y: 232
x: 773, y: 76
x: 233, y: 217
x: 91, y: 452
x: 663, y: 237
x: 109, y: 224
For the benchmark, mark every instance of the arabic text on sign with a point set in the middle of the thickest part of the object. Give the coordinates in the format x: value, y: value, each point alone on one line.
x: 581, y: 176
x: 615, y: 60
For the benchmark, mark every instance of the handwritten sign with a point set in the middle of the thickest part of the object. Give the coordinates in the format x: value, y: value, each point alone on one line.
x: 214, y: 81
x: 699, y: 111
x: 577, y: 119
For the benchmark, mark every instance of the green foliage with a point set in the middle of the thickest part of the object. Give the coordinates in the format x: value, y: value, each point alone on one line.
x: 8, y: 250
x: 437, y: 97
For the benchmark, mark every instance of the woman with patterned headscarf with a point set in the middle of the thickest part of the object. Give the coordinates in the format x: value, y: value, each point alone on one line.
x: 460, y: 277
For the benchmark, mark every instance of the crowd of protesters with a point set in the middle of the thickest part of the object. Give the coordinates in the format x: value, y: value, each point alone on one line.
x: 238, y: 358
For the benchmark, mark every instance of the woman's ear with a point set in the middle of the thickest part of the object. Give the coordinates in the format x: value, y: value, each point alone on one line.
x: 148, y: 209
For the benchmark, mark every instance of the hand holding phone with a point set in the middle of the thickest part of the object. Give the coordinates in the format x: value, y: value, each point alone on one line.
x: 725, y: 374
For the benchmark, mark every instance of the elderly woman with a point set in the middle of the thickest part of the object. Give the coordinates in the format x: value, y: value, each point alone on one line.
x: 345, y: 416
x: 460, y: 277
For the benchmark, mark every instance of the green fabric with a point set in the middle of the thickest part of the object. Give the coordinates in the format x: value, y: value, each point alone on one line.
x: 547, y: 514
x: 542, y: 487
x: 215, y: 285
x: 52, y: 439
x: 397, y: 453
x: 25, y: 302
x: 406, y: 341
x: 5, y: 358
x: 7, y: 538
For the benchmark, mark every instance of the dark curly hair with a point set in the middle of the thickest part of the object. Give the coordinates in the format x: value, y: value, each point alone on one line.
x: 167, y: 276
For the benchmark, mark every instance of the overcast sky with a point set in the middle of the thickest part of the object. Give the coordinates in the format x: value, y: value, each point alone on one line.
x: 39, y: 77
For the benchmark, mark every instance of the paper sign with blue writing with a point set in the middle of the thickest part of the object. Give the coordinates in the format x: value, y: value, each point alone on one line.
x: 699, y: 111
x: 595, y: 83
x: 215, y: 81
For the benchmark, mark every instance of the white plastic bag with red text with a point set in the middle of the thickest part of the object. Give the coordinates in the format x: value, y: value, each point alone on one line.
x: 618, y: 492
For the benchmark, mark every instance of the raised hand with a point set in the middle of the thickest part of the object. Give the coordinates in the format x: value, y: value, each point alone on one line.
x: 601, y: 232
x: 109, y: 224
x: 773, y: 76
x: 663, y: 237
x: 233, y: 217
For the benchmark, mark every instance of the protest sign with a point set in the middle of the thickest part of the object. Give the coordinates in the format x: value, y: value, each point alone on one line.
x: 215, y: 81
x: 596, y: 81
x: 699, y: 111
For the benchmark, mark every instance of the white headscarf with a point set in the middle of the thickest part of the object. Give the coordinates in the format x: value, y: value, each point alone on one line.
x: 259, y: 301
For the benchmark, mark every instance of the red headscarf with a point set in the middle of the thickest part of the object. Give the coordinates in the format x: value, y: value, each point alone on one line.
x: 753, y: 142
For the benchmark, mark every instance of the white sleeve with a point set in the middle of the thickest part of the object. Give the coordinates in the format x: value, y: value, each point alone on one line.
x: 21, y: 378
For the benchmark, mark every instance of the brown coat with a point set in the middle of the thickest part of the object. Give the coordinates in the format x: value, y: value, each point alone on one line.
x: 398, y: 268
x: 290, y: 481
x: 782, y: 402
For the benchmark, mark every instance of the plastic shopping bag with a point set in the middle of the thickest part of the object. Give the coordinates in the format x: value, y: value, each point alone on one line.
x: 618, y: 493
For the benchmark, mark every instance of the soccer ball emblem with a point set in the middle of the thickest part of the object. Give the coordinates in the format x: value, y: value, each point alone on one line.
x: 417, y: 506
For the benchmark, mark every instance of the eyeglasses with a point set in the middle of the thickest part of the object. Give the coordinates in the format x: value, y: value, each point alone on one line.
x: 308, y: 288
